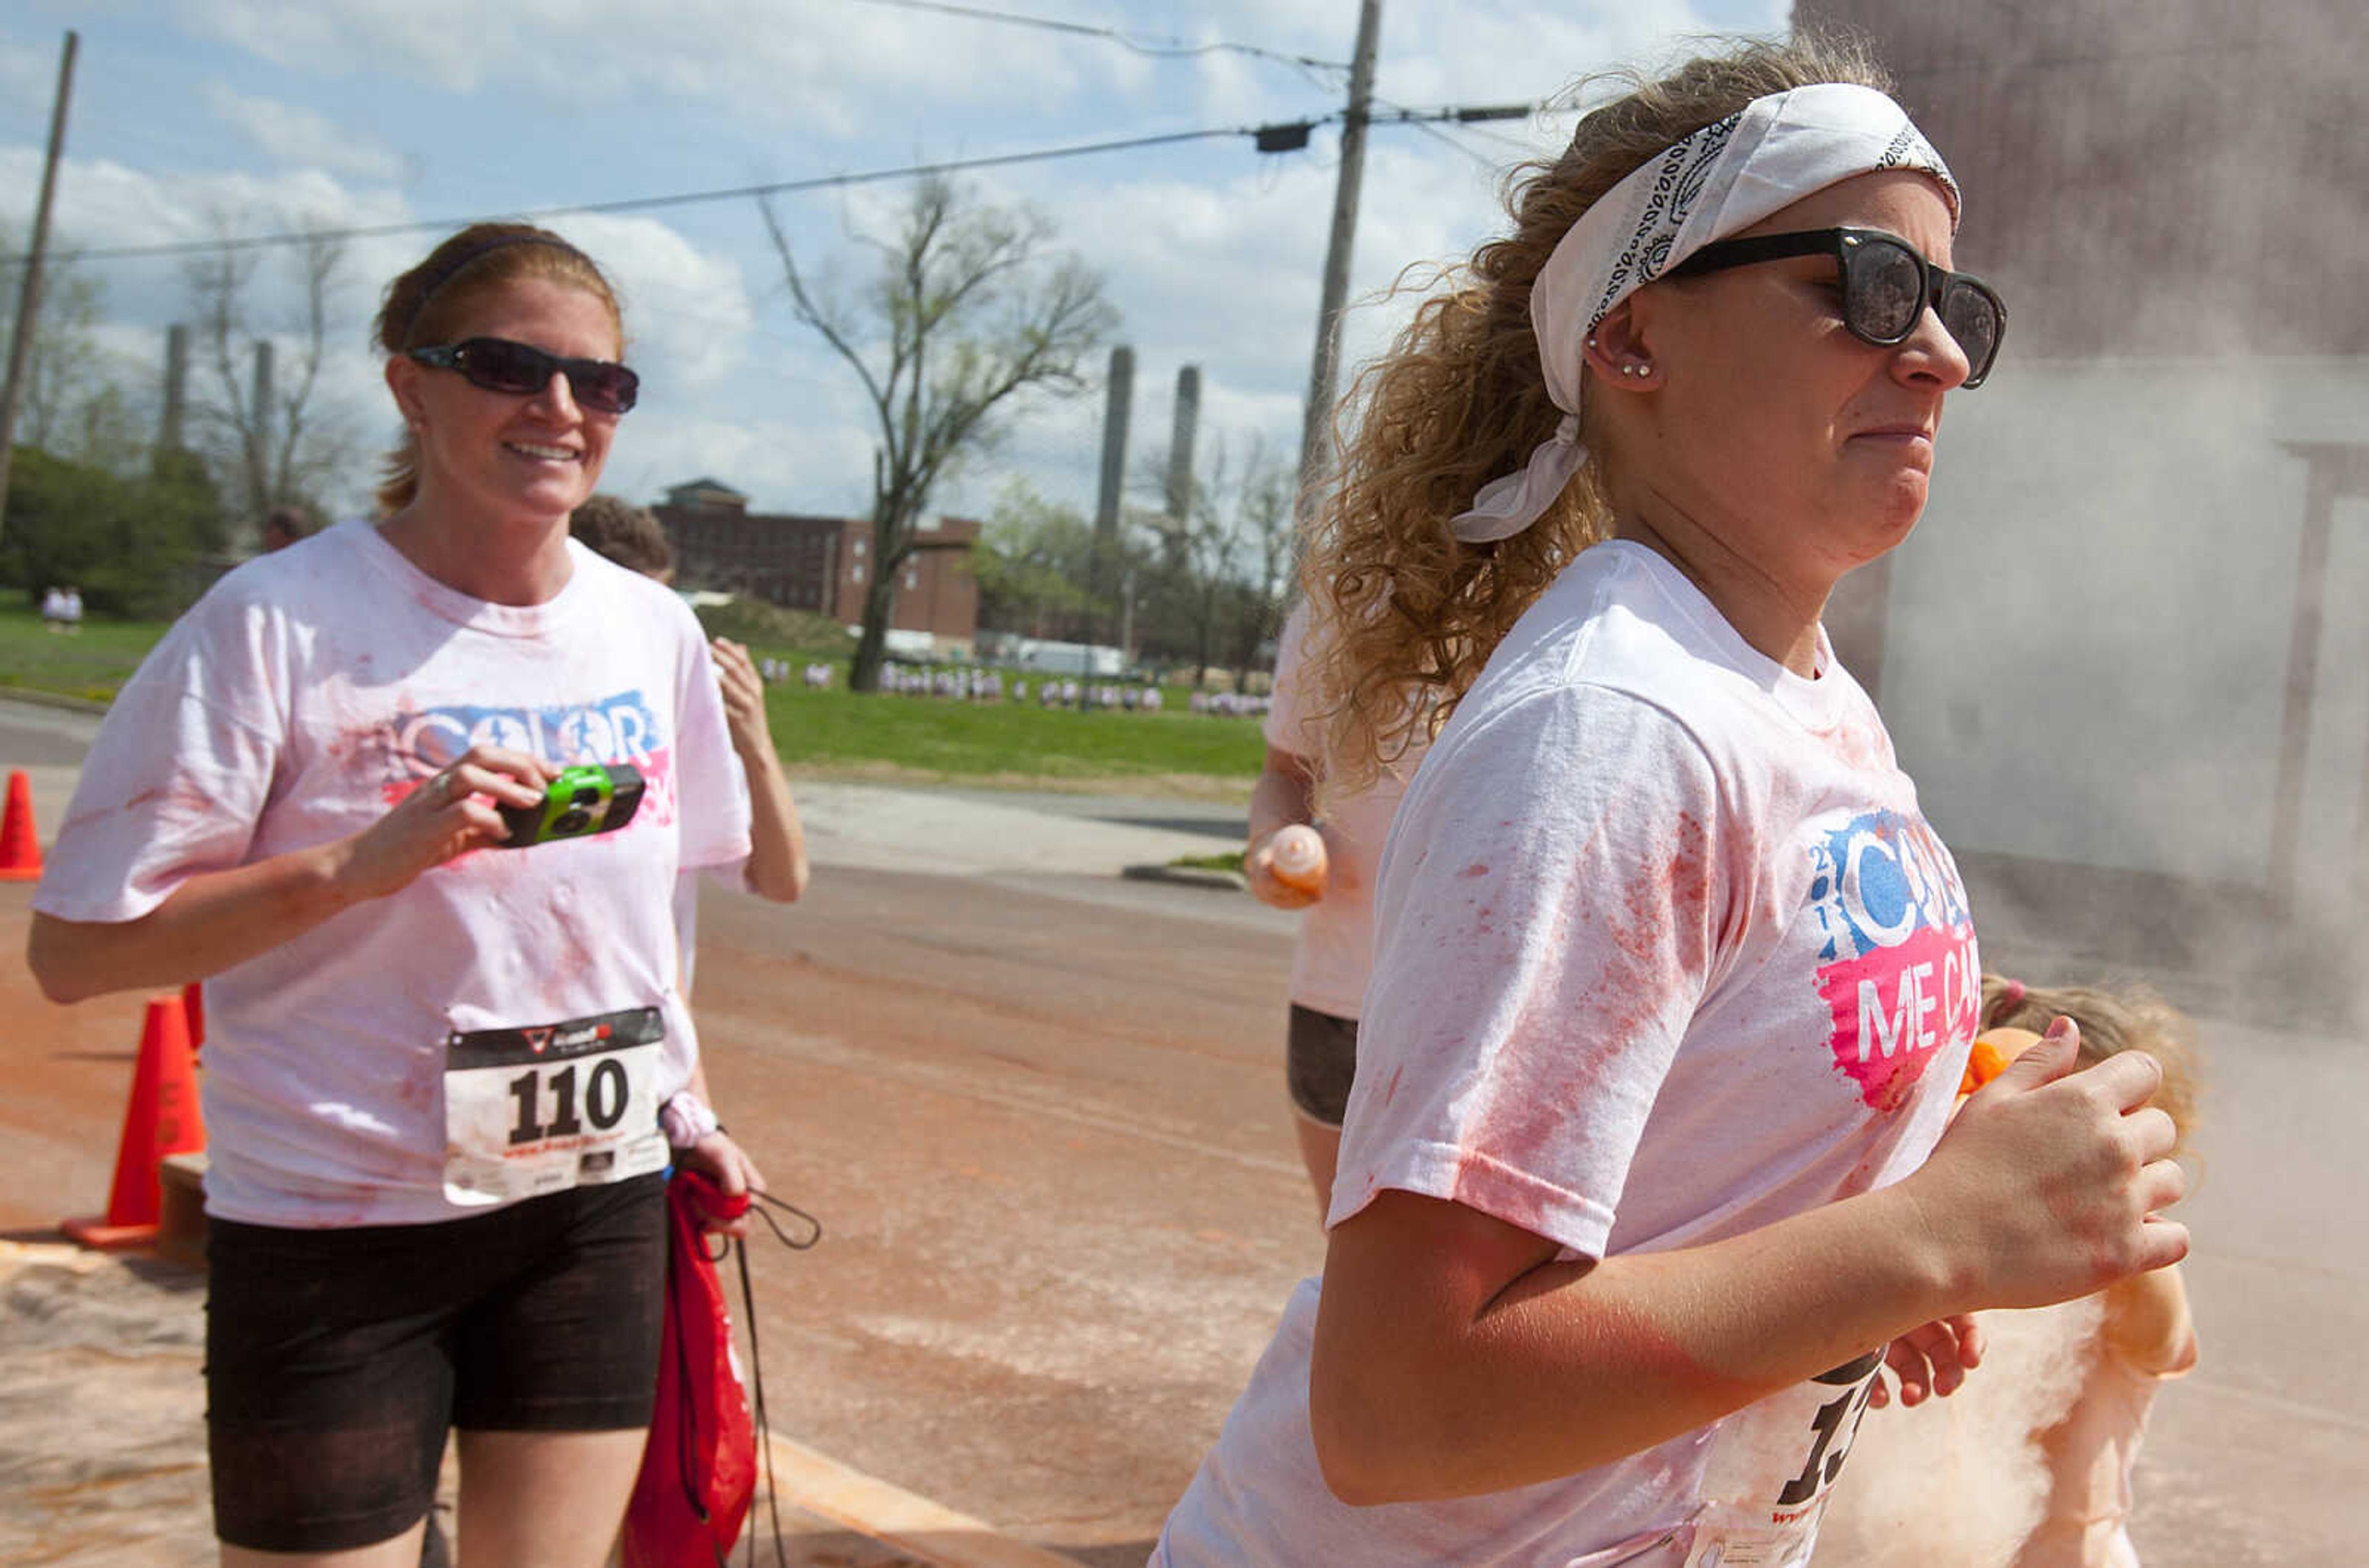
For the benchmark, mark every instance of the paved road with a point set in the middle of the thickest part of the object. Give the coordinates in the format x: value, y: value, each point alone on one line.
x: 1039, y: 1111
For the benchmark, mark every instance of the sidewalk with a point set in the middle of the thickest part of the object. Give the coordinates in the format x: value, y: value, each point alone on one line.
x: 876, y: 827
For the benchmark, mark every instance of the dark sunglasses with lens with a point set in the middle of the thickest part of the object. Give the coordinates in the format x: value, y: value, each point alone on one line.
x: 1886, y: 287
x: 523, y: 370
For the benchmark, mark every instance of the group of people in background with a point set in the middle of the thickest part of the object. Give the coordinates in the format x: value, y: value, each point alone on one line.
x: 1630, y: 1019
x: 62, y: 611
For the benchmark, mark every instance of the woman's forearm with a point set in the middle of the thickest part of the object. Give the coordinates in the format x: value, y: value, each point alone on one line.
x: 211, y: 923
x: 777, y: 839
x: 1284, y: 794
x: 1575, y: 1365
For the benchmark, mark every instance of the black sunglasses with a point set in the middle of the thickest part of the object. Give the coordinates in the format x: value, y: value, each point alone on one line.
x: 523, y: 370
x: 1887, y: 286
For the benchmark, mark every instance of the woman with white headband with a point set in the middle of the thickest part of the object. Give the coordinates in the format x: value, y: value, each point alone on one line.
x: 1673, y: 984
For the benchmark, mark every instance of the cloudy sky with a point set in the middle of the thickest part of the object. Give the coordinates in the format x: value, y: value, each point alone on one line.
x: 193, y: 118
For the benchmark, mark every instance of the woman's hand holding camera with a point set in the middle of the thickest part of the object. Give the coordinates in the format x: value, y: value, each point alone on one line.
x: 451, y: 812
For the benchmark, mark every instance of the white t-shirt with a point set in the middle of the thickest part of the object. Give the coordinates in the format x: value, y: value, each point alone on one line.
x: 1336, y: 933
x: 1666, y: 953
x: 304, y: 696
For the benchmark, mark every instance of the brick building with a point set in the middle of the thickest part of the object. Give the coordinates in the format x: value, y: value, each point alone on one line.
x: 822, y: 564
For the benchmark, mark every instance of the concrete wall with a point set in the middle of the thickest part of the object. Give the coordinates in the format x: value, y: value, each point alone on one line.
x: 2087, y: 639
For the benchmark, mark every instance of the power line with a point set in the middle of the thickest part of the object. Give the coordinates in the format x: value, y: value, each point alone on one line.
x: 648, y: 203
x: 1288, y: 136
x: 1164, y: 48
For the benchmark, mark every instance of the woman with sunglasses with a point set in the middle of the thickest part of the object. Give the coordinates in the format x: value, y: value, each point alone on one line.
x: 446, y: 1042
x: 1672, y: 985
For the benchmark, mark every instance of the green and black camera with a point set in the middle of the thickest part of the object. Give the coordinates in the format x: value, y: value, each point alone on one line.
x: 580, y: 802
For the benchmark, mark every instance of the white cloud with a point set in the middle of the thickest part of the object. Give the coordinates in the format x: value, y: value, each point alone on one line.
x: 288, y: 133
x: 772, y: 61
x: 686, y: 311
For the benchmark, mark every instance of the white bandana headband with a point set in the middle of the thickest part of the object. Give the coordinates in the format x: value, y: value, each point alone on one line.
x: 1723, y: 178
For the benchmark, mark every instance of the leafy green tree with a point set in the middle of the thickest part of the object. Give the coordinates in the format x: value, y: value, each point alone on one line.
x: 129, y: 545
x: 1033, y: 561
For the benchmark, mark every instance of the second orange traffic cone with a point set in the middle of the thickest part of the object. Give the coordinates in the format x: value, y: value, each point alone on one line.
x: 21, y: 847
x: 163, y: 1117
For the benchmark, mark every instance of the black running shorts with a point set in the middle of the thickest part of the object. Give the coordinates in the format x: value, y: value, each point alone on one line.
x: 335, y: 1360
x: 1320, y: 1062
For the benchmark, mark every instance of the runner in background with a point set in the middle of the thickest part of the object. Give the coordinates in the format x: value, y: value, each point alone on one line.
x: 629, y: 535
x: 2037, y: 1457
x: 1335, y: 949
x: 436, y: 1088
x: 285, y: 526
x: 1673, y: 984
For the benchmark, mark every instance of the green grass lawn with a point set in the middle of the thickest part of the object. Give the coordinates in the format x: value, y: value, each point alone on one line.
x: 1015, y: 745
x: 93, y: 663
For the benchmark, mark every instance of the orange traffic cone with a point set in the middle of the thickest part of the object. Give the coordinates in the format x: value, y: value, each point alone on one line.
x: 21, y: 847
x: 163, y: 1119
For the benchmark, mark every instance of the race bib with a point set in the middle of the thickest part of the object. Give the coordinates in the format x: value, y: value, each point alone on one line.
x: 1771, y: 1468
x: 540, y: 1109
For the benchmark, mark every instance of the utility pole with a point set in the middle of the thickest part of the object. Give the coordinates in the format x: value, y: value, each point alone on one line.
x: 29, y: 294
x: 1317, y: 427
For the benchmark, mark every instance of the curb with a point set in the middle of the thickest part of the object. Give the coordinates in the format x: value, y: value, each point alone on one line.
x: 1185, y: 875
x: 891, y: 1515
x: 41, y: 699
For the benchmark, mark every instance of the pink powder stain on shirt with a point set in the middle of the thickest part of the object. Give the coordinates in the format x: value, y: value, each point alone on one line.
x: 1655, y: 934
x: 1858, y: 743
x: 1476, y: 869
x: 419, y: 1088
x: 1665, y: 933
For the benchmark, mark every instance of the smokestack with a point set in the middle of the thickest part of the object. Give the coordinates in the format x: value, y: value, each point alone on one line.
x: 258, y: 457
x: 176, y: 387
x: 1180, y: 441
x: 1115, y: 417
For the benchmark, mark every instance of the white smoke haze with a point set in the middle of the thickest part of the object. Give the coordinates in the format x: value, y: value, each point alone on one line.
x: 1959, y: 1482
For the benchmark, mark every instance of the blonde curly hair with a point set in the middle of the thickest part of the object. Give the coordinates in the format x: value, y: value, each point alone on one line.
x: 1459, y: 400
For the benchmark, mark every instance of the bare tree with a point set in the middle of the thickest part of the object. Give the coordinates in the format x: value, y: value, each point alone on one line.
x: 264, y: 432
x: 1268, y: 526
x: 63, y: 370
x: 967, y: 310
x: 1221, y: 556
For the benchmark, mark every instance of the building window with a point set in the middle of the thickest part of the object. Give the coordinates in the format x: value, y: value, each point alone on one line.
x: 860, y: 542
x: 855, y: 572
x: 913, y: 577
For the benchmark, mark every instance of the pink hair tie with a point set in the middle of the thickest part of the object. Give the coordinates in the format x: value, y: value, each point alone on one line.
x: 2013, y: 993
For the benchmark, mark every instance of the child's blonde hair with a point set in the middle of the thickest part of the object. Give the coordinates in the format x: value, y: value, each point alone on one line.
x: 2112, y: 1022
x: 1459, y: 400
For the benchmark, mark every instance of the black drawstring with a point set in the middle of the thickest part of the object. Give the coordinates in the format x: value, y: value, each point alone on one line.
x: 813, y: 1226
x: 686, y: 1434
x: 812, y: 1234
